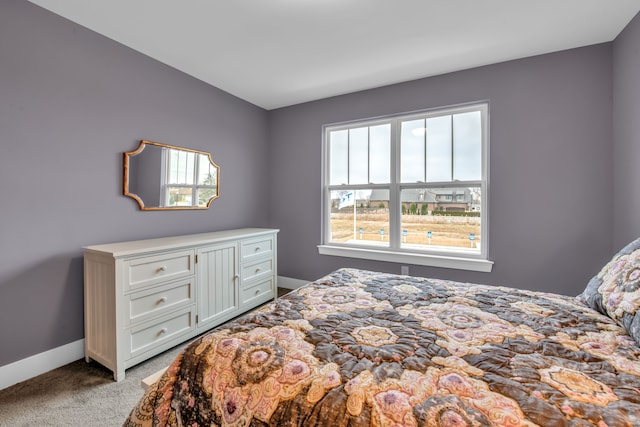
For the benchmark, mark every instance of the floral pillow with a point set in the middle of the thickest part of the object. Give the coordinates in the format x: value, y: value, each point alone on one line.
x: 615, y: 291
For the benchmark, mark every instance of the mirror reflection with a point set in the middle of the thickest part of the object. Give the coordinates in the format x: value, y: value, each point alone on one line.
x: 160, y: 176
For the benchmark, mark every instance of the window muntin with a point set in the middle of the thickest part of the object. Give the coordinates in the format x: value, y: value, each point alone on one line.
x: 440, y: 155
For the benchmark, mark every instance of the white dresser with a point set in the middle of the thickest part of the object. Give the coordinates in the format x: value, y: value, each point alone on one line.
x: 144, y: 297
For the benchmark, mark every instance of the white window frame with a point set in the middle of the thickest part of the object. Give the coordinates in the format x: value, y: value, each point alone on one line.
x: 450, y: 258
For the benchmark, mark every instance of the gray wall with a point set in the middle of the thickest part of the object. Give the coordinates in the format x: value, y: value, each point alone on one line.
x: 71, y: 102
x: 550, y: 167
x: 626, y: 134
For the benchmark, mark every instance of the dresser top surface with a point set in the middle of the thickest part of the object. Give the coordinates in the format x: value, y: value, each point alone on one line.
x: 122, y: 249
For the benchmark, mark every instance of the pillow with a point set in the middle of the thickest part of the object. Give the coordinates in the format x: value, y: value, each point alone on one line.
x: 615, y: 291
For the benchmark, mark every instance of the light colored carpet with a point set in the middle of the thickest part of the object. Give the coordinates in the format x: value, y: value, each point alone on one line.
x: 78, y: 394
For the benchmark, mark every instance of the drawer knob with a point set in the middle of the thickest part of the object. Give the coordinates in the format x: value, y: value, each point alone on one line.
x: 257, y: 270
x: 257, y: 291
x: 162, y: 300
x: 163, y: 331
x: 257, y: 248
x: 163, y: 268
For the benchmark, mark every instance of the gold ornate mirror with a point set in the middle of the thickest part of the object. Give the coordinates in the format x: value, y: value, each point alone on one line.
x: 166, y: 177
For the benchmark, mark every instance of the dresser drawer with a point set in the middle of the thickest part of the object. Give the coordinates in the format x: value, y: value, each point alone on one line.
x: 257, y: 248
x: 257, y: 270
x: 146, y: 271
x: 152, y: 334
x: 261, y: 290
x: 155, y: 301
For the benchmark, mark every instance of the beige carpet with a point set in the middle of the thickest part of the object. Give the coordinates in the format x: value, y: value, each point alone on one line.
x: 77, y: 394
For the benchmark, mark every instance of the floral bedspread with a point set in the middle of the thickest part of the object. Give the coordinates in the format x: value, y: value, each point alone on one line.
x: 359, y: 348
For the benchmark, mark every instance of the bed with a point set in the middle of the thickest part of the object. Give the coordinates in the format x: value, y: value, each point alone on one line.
x: 361, y: 348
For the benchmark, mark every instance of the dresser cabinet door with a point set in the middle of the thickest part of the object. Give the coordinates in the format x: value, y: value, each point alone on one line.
x: 217, y: 284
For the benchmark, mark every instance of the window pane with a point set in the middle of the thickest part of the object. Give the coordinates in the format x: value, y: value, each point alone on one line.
x: 181, y: 167
x: 441, y: 218
x: 467, y: 146
x: 204, y: 195
x: 180, y: 196
x: 339, y: 157
x: 379, y: 154
x: 412, y: 148
x: 359, y: 156
x: 360, y: 217
x: 439, y: 149
x: 206, y: 172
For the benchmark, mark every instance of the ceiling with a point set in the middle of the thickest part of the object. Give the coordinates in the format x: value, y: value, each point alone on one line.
x: 275, y: 53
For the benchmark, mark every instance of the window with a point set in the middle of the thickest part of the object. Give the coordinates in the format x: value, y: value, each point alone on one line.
x: 409, y: 188
x: 190, y: 179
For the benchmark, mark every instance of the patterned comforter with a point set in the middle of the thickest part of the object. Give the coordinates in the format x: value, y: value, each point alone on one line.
x: 359, y: 348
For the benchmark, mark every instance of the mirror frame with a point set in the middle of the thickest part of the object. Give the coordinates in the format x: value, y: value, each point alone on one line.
x: 141, y: 146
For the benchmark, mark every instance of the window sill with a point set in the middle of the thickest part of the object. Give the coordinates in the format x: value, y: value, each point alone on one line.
x: 431, y: 260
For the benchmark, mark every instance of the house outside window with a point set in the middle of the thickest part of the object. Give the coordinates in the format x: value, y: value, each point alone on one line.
x: 409, y: 188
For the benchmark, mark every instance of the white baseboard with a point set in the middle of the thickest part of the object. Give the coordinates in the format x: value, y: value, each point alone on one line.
x: 291, y: 283
x: 37, y: 364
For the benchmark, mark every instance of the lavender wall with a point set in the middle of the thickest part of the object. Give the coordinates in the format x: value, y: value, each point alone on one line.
x: 71, y: 102
x: 550, y: 167
x: 626, y: 134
